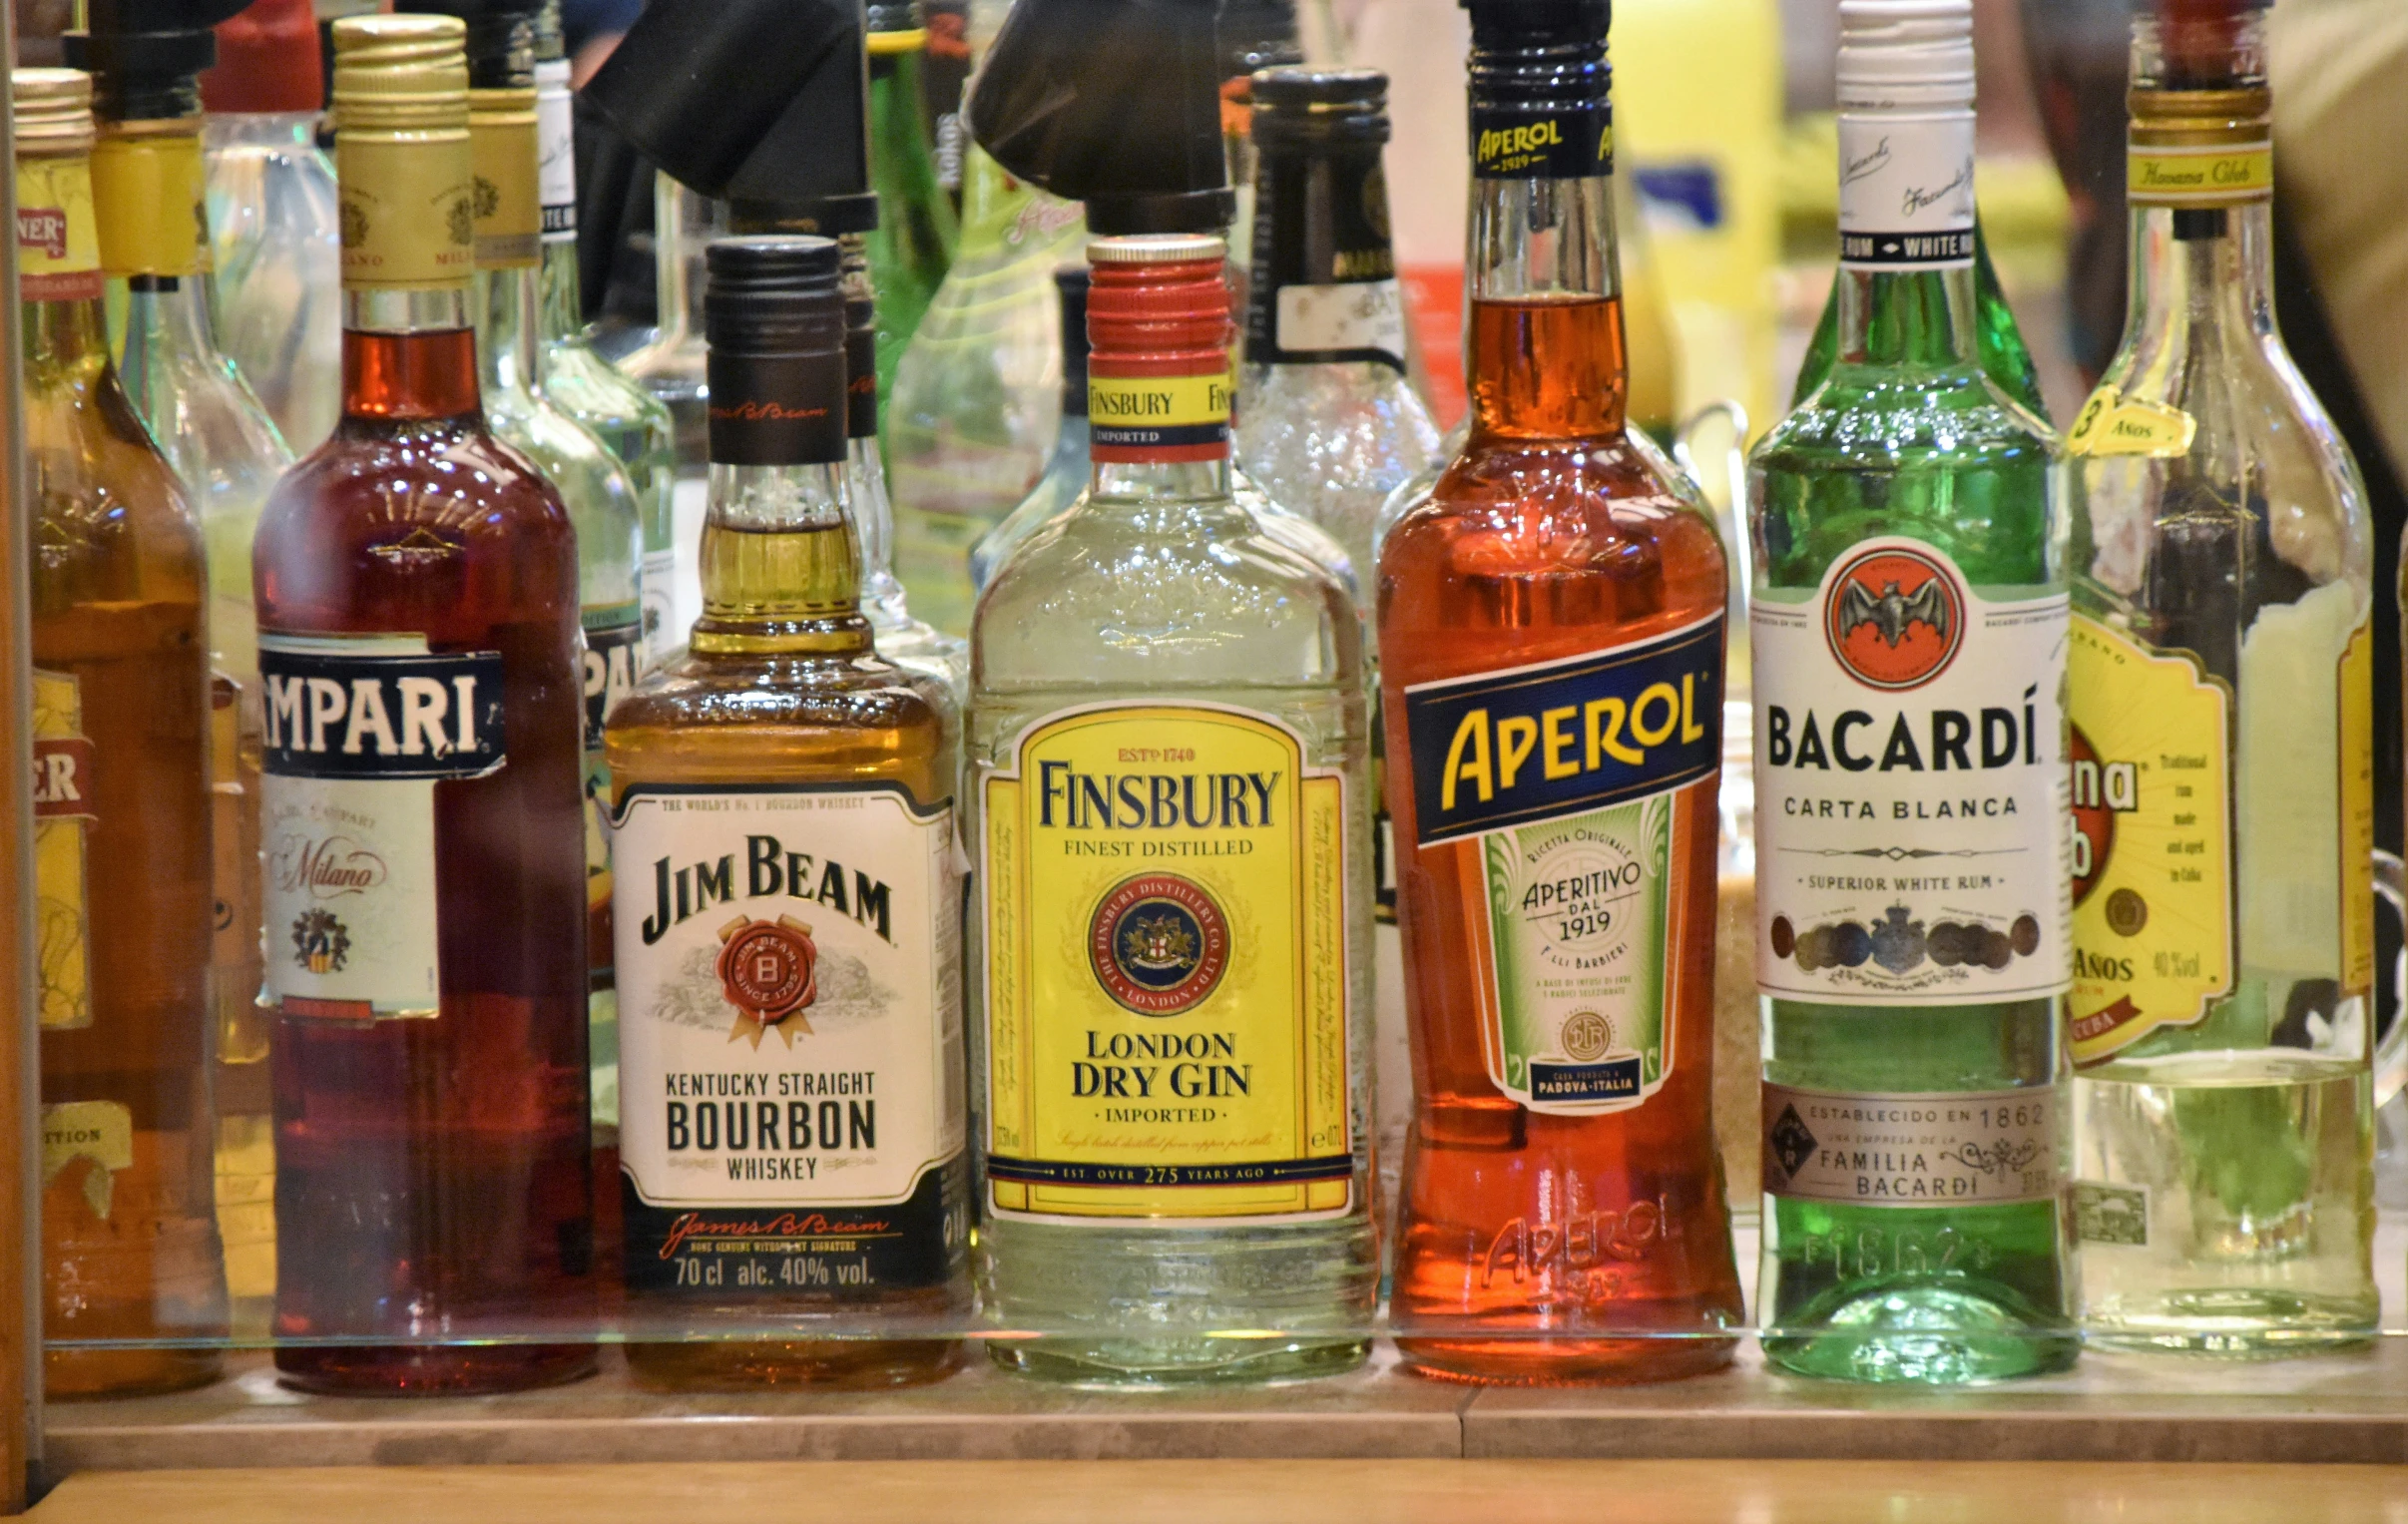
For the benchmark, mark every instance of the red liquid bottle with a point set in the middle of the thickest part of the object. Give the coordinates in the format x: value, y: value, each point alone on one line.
x: 1551, y: 655
x: 421, y: 811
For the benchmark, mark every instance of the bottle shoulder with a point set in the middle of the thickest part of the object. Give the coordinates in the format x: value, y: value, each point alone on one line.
x: 798, y: 696
x: 598, y: 394
x: 101, y: 487
x: 588, y: 476
x: 1905, y: 418
x: 1560, y: 501
x: 448, y: 474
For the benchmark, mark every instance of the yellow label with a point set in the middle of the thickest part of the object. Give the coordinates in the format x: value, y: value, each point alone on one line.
x: 62, y: 788
x: 58, y: 243
x: 2153, y: 854
x: 2112, y: 424
x: 148, y: 189
x: 408, y: 209
x: 99, y: 1130
x: 1158, y: 401
x: 2358, y: 813
x: 2219, y: 175
x: 509, y: 213
x: 1167, y: 1021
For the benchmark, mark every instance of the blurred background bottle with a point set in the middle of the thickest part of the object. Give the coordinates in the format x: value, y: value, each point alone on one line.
x: 917, y: 228
x: 1066, y: 470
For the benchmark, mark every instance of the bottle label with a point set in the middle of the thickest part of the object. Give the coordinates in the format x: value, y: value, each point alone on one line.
x: 1156, y: 420
x: 2112, y: 423
x: 659, y: 590
x: 1910, y: 786
x: 58, y: 238
x: 777, y: 409
x: 1563, y: 784
x: 1976, y: 1147
x: 1906, y: 191
x: 556, y: 151
x: 63, y: 783
x: 1324, y: 286
x: 2110, y: 1216
x: 508, y: 212
x: 408, y: 214
x: 1167, y: 966
x: 146, y: 190
x: 2212, y: 174
x: 360, y: 732
x: 1541, y: 143
x: 97, y: 1133
x: 2152, y: 849
x: 792, y: 1082
x: 614, y: 657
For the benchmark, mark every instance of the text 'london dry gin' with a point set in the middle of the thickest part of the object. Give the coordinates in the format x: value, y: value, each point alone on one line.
x: 1552, y: 637
x: 1909, y: 634
x: 2222, y: 767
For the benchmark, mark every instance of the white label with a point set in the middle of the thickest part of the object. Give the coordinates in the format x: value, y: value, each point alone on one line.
x: 790, y: 994
x: 1906, y: 191
x: 1360, y: 314
x: 658, y: 587
x: 1910, y: 776
x: 555, y: 150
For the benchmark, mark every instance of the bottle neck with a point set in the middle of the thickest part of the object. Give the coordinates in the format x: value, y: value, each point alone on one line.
x: 2202, y: 273
x: 410, y: 355
x: 780, y: 565
x: 64, y: 341
x: 1321, y: 285
x: 864, y: 467
x: 681, y: 224
x: 259, y: 129
x: 166, y: 330
x: 1546, y: 343
x: 508, y: 333
x: 1906, y: 234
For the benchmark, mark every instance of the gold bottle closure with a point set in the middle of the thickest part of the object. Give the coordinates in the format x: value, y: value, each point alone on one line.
x: 147, y: 184
x: 509, y: 209
x: 2201, y: 147
x: 401, y: 152
x: 58, y: 240
x: 52, y: 109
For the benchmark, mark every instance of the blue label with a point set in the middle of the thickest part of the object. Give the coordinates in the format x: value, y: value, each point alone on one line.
x: 1529, y: 744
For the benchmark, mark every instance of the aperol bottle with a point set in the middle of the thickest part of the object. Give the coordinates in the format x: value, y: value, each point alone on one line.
x: 1551, y: 638
x: 422, y: 809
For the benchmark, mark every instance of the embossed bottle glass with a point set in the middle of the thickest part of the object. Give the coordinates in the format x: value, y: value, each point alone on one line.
x: 1551, y: 634
x: 2221, y: 1012
x: 1172, y: 815
x: 785, y: 818
x: 421, y: 810
x: 1908, y: 627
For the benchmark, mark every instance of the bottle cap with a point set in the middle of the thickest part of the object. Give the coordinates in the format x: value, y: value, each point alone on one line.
x: 400, y: 74
x: 267, y: 61
x: 774, y: 315
x: 1540, y: 89
x: 2201, y: 45
x: 1157, y: 318
x: 1905, y: 54
x: 52, y: 111
x: 402, y: 161
x: 1521, y: 23
x: 1305, y: 105
x: 501, y: 38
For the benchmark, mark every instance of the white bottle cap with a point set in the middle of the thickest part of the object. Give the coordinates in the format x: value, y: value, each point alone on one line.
x: 1905, y: 54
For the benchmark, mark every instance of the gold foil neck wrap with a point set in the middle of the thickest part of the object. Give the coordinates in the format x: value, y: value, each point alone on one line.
x: 2201, y: 118
x: 147, y: 188
x: 509, y: 209
x: 52, y: 109
x: 400, y: 74
x: 401, y: 153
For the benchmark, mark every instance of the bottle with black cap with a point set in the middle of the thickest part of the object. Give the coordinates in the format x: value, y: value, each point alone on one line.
x: 790, y: 905
x: 1066, y: 473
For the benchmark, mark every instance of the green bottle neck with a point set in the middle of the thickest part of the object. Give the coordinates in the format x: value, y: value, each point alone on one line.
x: 1924, y: 319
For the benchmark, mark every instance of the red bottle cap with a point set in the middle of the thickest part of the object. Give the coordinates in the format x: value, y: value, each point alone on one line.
x: 267, y: 61
x: 1157, y: 318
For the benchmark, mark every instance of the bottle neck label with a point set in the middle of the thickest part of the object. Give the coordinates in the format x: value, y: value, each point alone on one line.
x: 146, y: 190
x: 1156, y: 419
x: 1325, y: 271
x: 1910, y: 786
x: 777, y: 409
x: 2214, y: 175
x: 556, y: 151
x: 1510, y: 141
x: 1906, y: 191
x: 408, y: 216
x: 58, y: 238
x: 508, y: 214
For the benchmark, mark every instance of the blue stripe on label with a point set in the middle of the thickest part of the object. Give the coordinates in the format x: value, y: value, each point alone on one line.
x: 1533, y: 743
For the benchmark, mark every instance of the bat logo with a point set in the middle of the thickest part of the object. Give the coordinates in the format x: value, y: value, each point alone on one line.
x: 1894, y: 616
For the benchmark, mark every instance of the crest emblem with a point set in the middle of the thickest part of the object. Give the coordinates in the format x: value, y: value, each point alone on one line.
x: 769, y: 971
x: 1895, y: 617
x: 1158, y: 944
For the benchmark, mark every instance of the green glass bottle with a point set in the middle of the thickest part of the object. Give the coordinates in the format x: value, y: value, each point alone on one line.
x: 1997, y: 343
x: 917, y: 229
x: 1909, y: 630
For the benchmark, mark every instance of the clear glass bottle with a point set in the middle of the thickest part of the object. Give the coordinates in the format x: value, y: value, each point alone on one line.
x: 670, y: 365
x: 917, y: 226
x: 1911, y: 906
x: 782, y: 721
x: 974, y: 392
x: 1562, y: 1216
x: 2222, y: 1017
x: 275, y: 255
x: 1155, y: 633
x: 1067, y: 472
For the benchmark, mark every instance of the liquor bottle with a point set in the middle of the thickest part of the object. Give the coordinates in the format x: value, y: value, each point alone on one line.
x: 275, y: 255
x: 1250, y: 36
x: 1551, y: 642
x: 2222, y: 773
x: 120, y: 755
x: 672, y: 364
x: 1909, y: 641
x: 827, y: 979
x: 1167, y: 728
x: 1997, y: 343
x: 632, y: 424
x: 1327, y: 423
x: 1067, y: 472
x: 974, y: 391
x: 602, y: 502
x: 418, y: 633
x: 917, y: 229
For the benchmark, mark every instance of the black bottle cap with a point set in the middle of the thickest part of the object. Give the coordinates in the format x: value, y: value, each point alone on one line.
x: 1070, y: 282
x: 774, y: 318
x: 764, y: 103
x: 1312, y: 106
x: 501, y: 38
x: 146, y: 56
x: 1115, y: 103
x: 1538, y: 86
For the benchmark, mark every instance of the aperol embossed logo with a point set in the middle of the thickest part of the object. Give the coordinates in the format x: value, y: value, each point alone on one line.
x: 1158, y: 944
x: 1895, y: 618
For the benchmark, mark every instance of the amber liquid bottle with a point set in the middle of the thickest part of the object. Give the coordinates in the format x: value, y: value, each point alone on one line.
x: 121, y: 814
x: 422, y: 811
x: 1551, y: 640
x: 792, y: 1130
